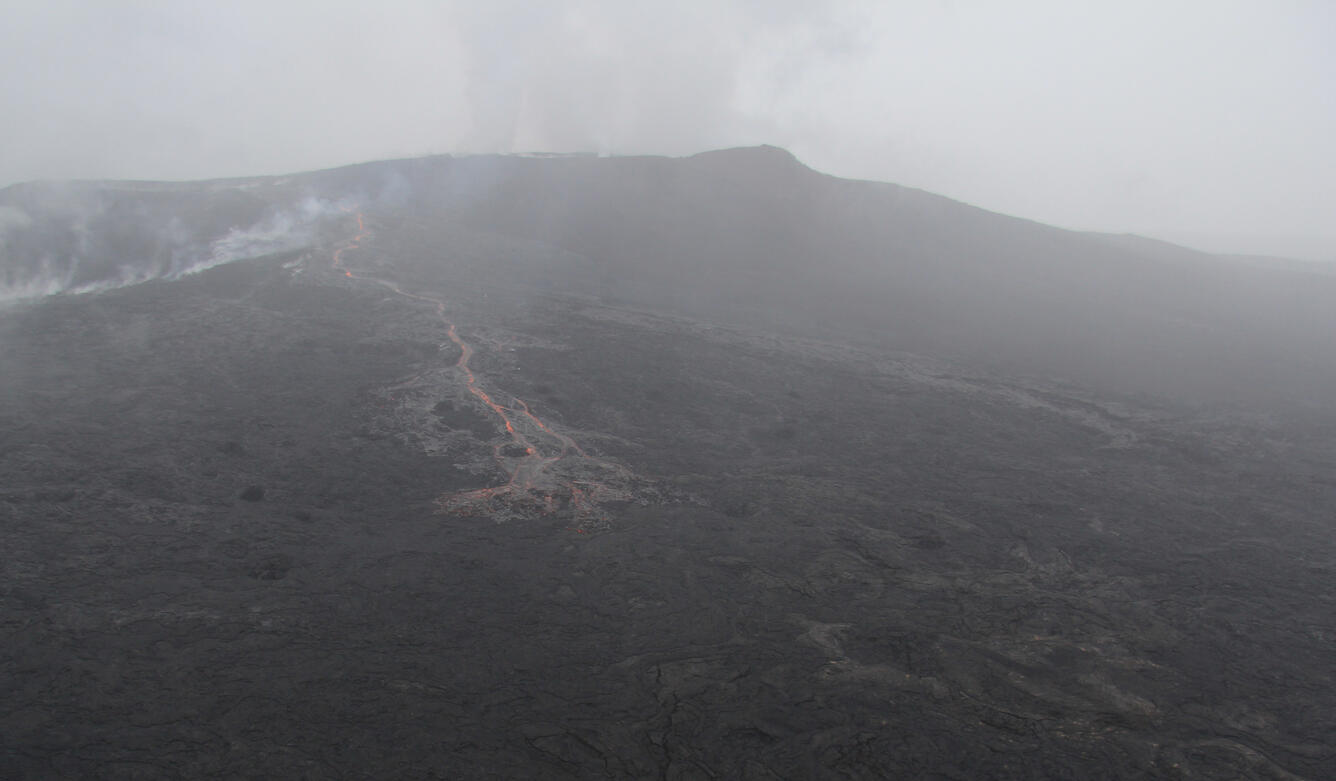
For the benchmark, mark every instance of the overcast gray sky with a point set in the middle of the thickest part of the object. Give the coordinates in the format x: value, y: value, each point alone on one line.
x: 1212, y: 123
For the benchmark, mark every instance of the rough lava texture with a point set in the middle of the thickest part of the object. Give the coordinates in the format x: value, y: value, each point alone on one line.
x: 572, y: 468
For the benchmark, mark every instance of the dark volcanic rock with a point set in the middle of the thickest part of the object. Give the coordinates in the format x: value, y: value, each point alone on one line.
x: 733, y: 553
x: 272, y: 567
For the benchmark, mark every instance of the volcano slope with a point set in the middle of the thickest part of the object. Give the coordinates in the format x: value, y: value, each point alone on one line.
x: 433, y: 497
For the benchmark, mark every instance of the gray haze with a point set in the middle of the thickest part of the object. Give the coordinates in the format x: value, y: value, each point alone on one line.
x: 1207, y: 123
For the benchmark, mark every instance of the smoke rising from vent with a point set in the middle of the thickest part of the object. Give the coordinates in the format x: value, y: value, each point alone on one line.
x: 83, y: 241
x: 281, y: 232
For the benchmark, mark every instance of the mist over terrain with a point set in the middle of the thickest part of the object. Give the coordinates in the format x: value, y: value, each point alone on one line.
x: 718, y: 466
x: 747, y: 236
x: 1210, y: 126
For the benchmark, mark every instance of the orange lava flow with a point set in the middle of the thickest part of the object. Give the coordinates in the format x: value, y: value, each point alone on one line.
x: 535, y: 448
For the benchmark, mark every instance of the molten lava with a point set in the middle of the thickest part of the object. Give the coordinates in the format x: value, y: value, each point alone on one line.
x: 554, y: 475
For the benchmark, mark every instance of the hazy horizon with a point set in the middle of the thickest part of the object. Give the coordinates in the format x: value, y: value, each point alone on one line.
x: 1209, y: 126
x: 592, y: 389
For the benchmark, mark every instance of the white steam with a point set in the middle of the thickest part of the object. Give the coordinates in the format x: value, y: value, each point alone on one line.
x: 11, y: 218
x: 280, y: 232
x: 49, y: 278
x: 183, y: 253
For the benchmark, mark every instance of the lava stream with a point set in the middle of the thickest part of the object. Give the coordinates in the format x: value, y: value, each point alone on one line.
x: 533, y: 486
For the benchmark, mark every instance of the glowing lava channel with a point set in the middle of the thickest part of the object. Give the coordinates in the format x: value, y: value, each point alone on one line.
x: 533, y: 487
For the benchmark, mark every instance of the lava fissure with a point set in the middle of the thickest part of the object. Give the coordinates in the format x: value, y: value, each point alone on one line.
x: 548, y: 472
